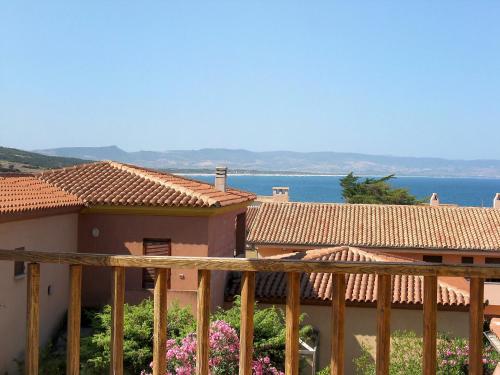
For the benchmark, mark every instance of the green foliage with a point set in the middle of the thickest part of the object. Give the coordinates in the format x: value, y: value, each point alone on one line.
x: 453, y: 356
x: 269, y: 329
x: 33, y: 160
x: 324, y: 371
x: 269, y: 336
x: 374, y: 191
x: 406, y: 356
x: 138, y: 336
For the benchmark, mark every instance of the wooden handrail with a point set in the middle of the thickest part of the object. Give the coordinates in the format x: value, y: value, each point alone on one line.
x: 117, y: 320
x: 294, y: 268
x: 74, y: 320
x: 160, y: 322
x: 246, y: 328
x: 338, y: 316
x: 244, y: 264
x: 384, y: 299
x: 292, y: 324
x: 203, y: 323
x: 33, y: 319
x: 430, y: 324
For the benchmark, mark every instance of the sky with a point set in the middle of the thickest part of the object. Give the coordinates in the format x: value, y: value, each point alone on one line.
x: 417, y: 78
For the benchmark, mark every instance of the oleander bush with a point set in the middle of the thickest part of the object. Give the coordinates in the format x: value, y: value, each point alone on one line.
x: 269, y: 330
x: 224, y: 350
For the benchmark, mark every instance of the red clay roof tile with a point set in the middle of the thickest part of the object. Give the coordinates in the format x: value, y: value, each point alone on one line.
x: 26, y: 193
x: 406, y: 289
x: 372, y: 225
x: 112, y: 183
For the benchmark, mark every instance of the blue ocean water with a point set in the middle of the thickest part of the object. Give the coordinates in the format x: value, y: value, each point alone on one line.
x: 461, y: 191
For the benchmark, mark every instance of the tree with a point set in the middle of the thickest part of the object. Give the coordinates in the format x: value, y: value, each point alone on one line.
x: 374, y: 191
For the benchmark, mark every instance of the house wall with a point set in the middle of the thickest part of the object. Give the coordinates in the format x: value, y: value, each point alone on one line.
x: 361, y: 328
x: 221, y: 243
x: 52, y: 233
x: 124, y: 234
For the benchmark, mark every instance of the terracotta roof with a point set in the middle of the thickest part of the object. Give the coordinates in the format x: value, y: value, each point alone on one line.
x: 251, y: 213
x: 406, y: 289
x: 26, y: 193
x: 371, y: 225
x: 112, y: 183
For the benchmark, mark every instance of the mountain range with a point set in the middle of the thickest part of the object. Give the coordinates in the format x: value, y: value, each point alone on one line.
x: 286, y: 161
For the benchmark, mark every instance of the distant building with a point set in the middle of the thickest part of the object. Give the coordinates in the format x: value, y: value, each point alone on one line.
x: 280, y: 194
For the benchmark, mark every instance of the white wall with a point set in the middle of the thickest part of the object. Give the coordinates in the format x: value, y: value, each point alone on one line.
x: 52, y: 233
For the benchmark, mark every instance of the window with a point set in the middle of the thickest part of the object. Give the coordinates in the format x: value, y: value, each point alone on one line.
x: 19, y: 267
x: 154, y: 247
x: 433, y: 258
x: 467, y: 260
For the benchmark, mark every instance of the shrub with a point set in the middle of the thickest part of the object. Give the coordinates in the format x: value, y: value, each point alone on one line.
x: 406, y: 356
x: 453, y: 356
x: 269, y: 330
x: 224, y: 352
x: 138, y: 336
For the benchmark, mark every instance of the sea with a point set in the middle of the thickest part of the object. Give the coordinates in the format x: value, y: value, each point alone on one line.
x: 461, y: 191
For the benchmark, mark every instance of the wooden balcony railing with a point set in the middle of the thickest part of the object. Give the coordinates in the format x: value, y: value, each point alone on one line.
x: 293, y: 268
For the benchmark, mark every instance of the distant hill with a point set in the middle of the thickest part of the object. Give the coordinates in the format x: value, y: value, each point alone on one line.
x: 14, y: 160
x: 287, y: 161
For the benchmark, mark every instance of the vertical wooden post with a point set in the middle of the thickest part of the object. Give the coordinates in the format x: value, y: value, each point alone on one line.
x: 292, y: 324
x: 430, y: 318
x: 33, y: 319
x: 117, y: 321
x: 160, y: 322
x: 476, y: 326
x: 74, y: 320
x: 338, y: 316
x: 246, y: 329
x: 203, y: 322
x: 384, y: 297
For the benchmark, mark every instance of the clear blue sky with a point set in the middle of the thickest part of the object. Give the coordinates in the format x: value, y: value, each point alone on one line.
x: 414, y: 78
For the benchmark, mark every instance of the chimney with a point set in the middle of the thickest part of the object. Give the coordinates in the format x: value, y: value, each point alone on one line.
x: 220, y: 178
x: 496, y: 201
x: 434, y: 200
x: 280, y: 194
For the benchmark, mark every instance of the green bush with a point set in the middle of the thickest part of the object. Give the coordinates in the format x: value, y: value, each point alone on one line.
x: 406, y: 356
x: 137, y: 336
x: 269, y: 336
x: 269, y: 329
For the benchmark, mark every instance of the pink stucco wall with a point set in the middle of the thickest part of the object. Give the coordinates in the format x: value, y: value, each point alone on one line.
x: 124, y: 234
x: 221, y: 243
x: 53, y: 233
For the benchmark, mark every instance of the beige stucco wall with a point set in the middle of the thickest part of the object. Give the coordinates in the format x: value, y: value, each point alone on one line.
x: 53, y: 233
x: 360, y: 327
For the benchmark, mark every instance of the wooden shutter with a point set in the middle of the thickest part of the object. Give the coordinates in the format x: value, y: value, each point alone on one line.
x: 154, y: 247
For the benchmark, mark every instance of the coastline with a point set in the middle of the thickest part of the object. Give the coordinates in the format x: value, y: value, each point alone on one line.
x: 336, y: 175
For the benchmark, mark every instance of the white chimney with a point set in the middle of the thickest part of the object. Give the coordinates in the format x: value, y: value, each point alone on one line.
x: 434, y: 200
x: 220, y: 178
x: 280, y: 193
x: 496, y: 201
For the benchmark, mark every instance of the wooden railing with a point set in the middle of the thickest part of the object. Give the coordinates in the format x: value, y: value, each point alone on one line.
x: 293, y: 268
